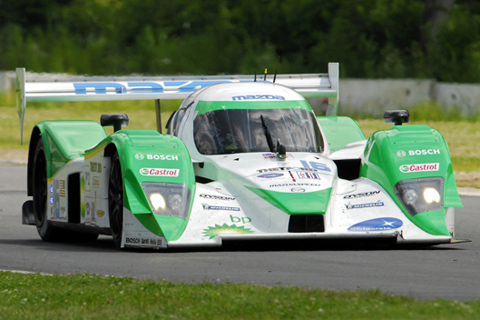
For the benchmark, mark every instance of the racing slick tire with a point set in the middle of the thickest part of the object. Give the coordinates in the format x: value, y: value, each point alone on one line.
x: 46, y: 232
x: 115, y: 200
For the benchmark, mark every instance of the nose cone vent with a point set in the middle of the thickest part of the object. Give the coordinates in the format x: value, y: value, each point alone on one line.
x: 306, y: 223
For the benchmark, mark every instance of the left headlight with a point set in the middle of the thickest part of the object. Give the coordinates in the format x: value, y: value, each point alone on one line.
x: 420, y: 195
x: 168, y: 199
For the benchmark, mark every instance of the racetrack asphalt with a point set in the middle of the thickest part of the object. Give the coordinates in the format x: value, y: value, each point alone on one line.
x: 444, y: 271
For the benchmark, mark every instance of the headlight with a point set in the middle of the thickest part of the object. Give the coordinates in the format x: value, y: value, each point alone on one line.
x: 168, y: 199
x: 431, y: 195
x: 420, y: 195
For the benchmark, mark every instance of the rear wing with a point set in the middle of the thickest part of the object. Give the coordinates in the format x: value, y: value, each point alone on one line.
x: 161, y: 88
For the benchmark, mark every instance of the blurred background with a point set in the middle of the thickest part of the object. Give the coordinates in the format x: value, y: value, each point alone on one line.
x: 421, y: 55
x: 372, y: 39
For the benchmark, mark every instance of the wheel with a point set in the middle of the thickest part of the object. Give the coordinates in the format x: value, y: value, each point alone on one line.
x: 40, y: 194
x: 115, y: 200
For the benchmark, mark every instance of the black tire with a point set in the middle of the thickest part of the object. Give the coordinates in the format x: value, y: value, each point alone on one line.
x: 40, y: 194
x: 115, y: 200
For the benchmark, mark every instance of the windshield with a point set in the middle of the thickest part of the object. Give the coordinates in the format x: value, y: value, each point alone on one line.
x: 256, y: 130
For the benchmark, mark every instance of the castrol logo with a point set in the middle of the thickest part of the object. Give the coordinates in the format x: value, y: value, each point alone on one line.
x: 159, y: 172
x: 423, y: 167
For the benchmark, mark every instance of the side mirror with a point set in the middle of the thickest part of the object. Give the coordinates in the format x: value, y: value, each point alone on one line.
x: 117, y: 120
x: 398, y: 117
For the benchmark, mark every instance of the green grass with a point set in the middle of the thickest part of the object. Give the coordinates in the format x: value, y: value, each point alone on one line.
x: 36, y: 296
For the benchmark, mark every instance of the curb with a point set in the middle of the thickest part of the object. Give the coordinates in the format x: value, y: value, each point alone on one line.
x: 469, y: 192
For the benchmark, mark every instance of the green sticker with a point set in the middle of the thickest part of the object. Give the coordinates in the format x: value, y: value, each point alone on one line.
x: 212, y: 232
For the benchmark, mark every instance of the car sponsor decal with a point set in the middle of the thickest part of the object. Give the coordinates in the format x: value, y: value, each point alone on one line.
x: 258, y: 97
x: 96, y: 181
x: 297, y: 190
x: 170, y: 157
x: 62, y: 191
x: 83, y: 88
x: 270, y: 175
x: 310, y: 166
x: 95, y: 167
x: 308, y: 175
x: 217, y: 230
x: 421, y: 167
x: 143, y: 241
x: 274, y: 155
x: 350, y: 206
x: 243, y: 220
x: 159, y: 172
x: 362, y: 194
x: 378, y: 224
x: 278, y: 185
x: 419, y: 152
x: 210, y: 207
x: 316, y: 165
x: 215, y: 197
x: 284, y: 168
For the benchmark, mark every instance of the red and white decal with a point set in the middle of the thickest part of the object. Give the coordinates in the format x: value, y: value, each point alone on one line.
x: 159, y: 172
x: 423, y: 167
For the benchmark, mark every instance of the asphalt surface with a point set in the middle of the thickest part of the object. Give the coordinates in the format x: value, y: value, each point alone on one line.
x: 445, y: 271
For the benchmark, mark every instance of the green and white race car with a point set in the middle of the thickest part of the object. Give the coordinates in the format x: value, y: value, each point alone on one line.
x: 241, y: 160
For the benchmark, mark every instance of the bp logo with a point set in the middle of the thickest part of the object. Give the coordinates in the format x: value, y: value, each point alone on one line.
x: 401, y: 153
x: 212, y: 232
x: 139, y: 156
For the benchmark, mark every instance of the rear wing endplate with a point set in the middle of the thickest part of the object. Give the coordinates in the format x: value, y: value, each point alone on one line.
x: 161, y: 88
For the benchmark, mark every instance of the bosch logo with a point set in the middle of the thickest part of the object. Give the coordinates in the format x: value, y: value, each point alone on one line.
x: 161, y: 157
x: 140, y: 156
x: 423, y: 152
x: 132, y: 240
x: 420, y: 152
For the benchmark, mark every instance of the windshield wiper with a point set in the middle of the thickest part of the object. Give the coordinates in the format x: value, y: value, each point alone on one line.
x: 271, y: 146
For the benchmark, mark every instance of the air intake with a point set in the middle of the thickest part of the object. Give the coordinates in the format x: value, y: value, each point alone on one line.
x: 306, y: 223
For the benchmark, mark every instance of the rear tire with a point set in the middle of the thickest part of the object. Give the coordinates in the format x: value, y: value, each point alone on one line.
x: 115, y: 200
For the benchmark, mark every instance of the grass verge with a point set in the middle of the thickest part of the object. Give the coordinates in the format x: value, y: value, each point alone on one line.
x: 37, y: 296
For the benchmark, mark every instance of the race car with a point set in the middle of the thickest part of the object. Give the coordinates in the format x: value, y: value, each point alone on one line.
x: 242, y: 159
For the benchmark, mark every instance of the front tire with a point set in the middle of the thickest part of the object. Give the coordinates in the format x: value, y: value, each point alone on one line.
x: 115, y: 200
x: 40, y: 186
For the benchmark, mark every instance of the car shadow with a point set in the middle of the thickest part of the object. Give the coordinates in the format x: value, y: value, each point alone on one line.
x: 105, y: 243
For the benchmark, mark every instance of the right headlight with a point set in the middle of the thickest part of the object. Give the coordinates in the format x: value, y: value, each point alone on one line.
x: 168, y: 199
x: 420, y: 195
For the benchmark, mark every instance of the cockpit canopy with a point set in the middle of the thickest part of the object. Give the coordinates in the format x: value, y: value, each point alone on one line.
x: 225, y: 127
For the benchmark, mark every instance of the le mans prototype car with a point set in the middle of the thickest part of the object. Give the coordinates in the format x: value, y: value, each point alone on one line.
x: 241, y: 160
